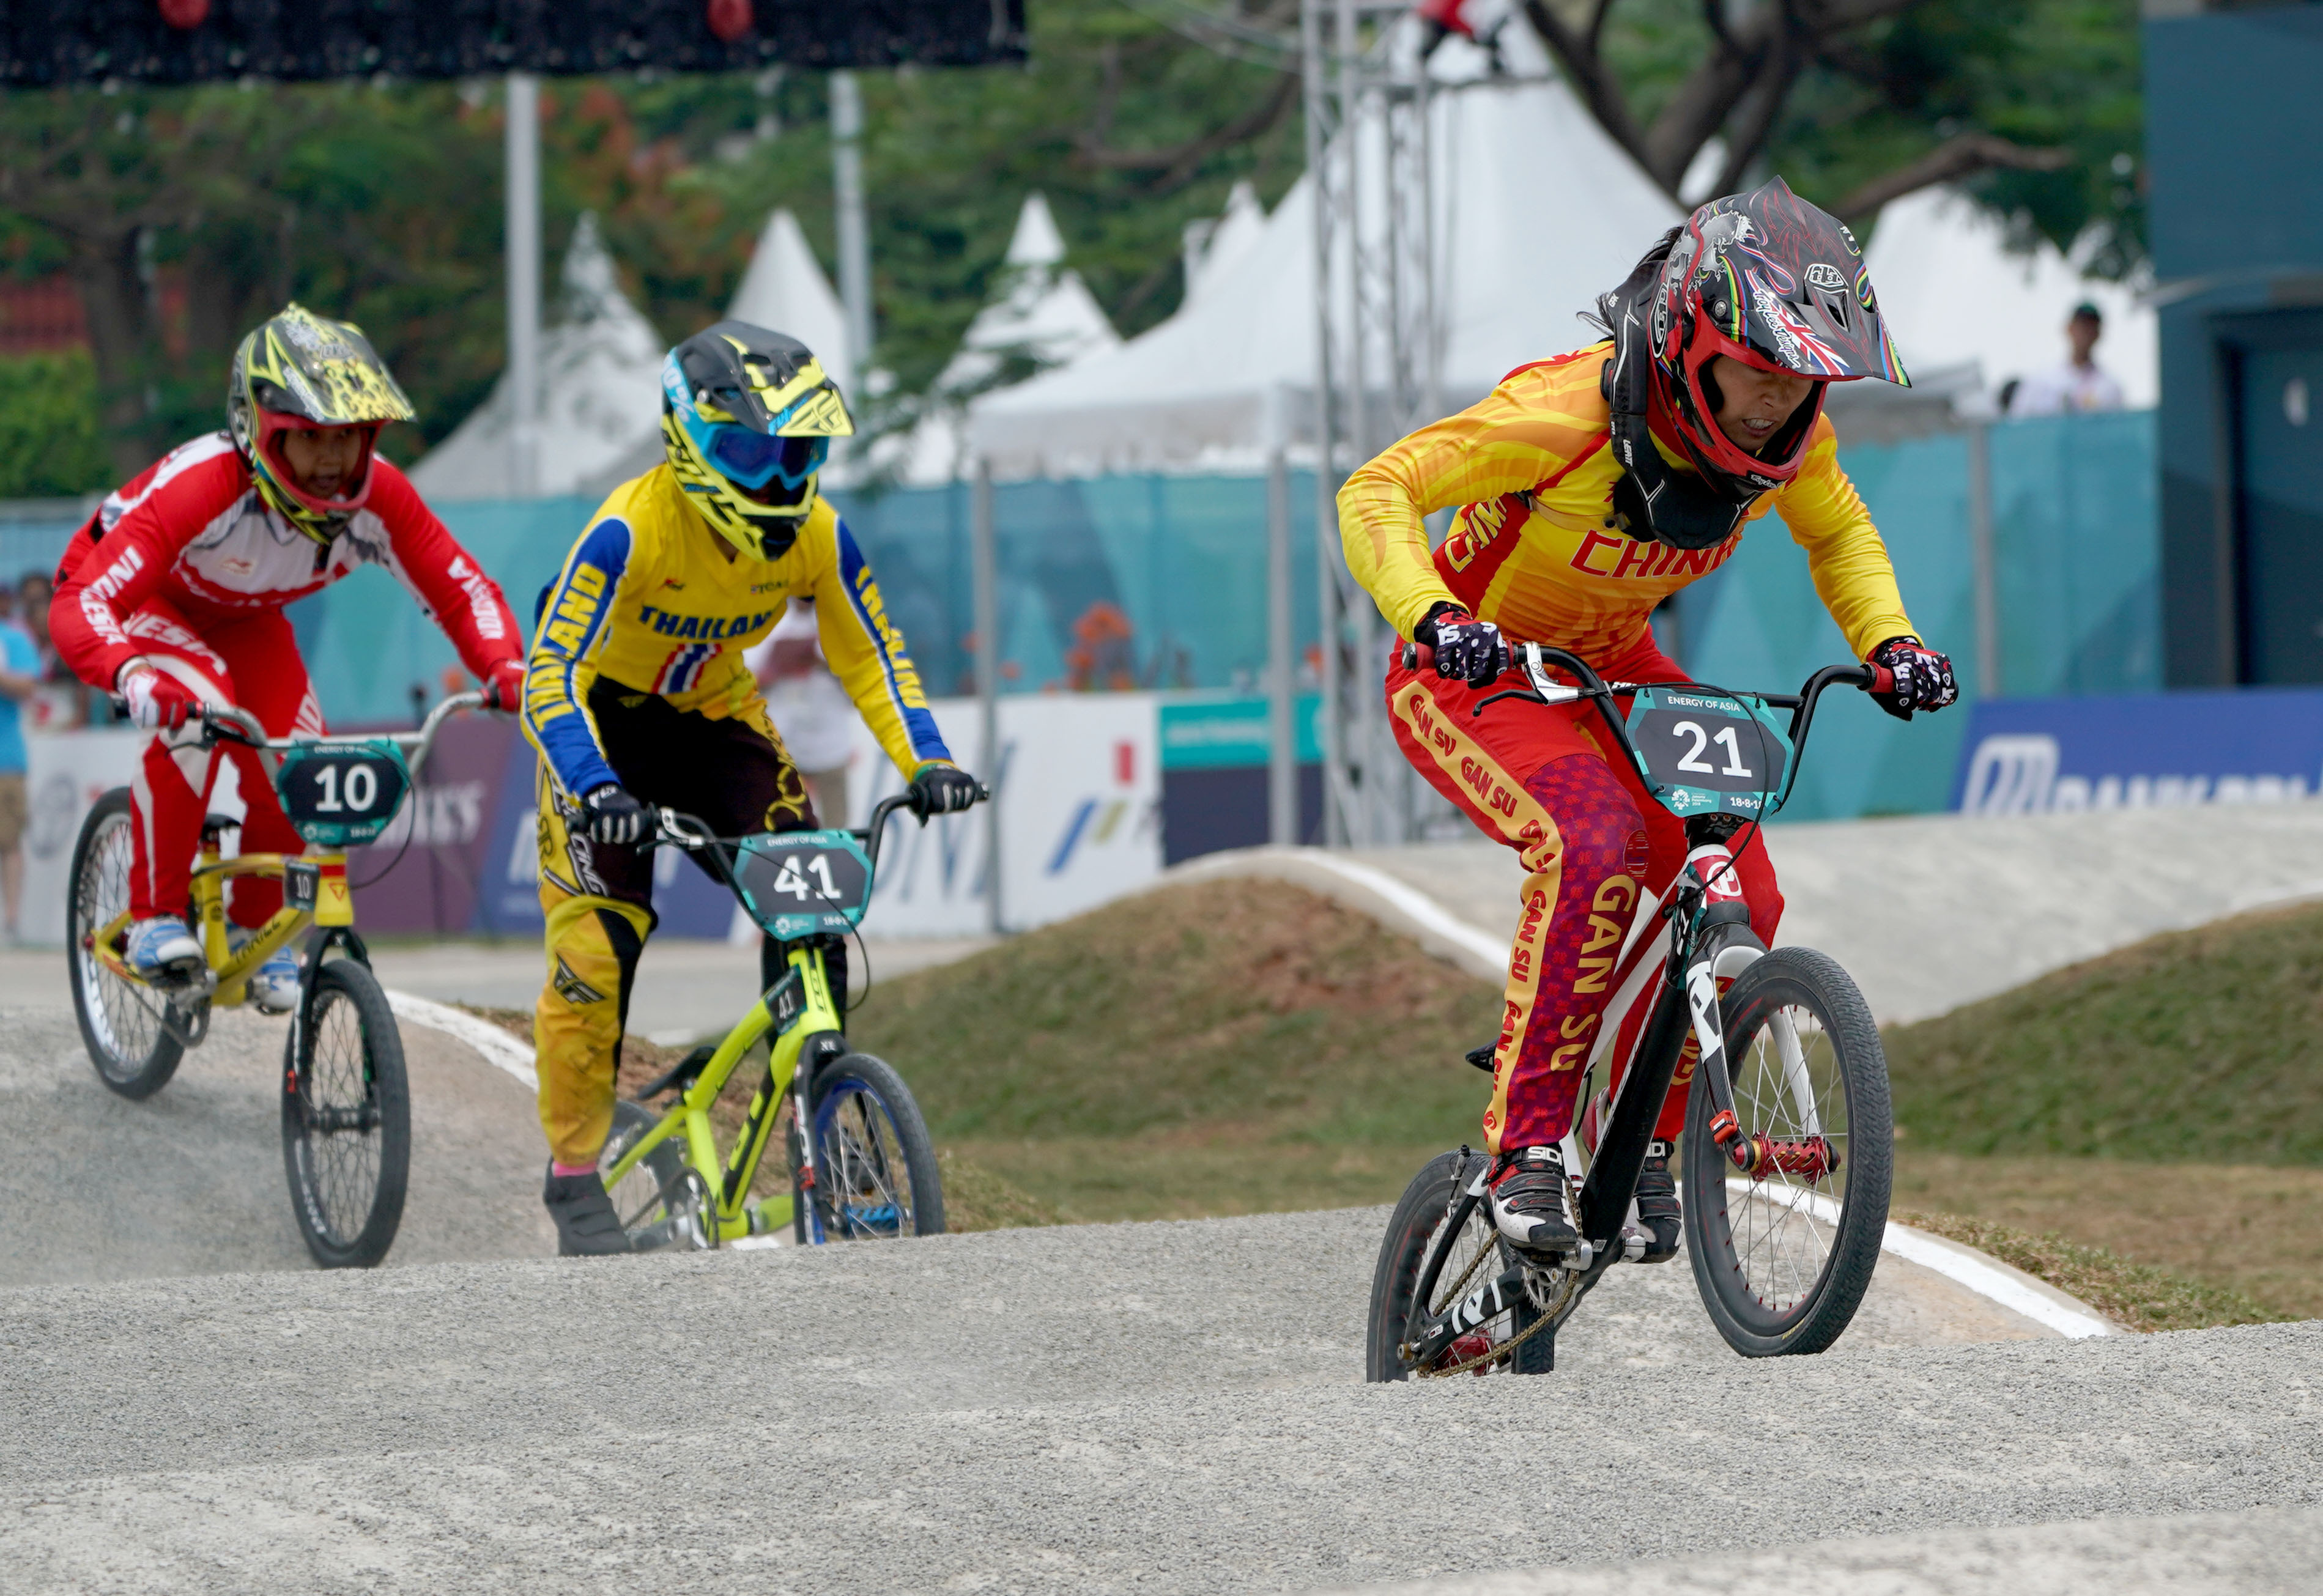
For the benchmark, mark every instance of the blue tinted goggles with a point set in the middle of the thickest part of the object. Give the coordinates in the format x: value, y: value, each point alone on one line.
x: 753, y: 459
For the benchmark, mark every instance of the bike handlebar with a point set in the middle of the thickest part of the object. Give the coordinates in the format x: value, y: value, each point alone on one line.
x: 1531, y: 660
x: 691, y: 831
x: 232, y: 723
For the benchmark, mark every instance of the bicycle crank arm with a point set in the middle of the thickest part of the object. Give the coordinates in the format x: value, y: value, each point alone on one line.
x: 1485, y: 1303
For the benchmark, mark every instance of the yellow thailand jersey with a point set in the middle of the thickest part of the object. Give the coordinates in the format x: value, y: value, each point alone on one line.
x: 648, y: 599
x: 1535, y: 549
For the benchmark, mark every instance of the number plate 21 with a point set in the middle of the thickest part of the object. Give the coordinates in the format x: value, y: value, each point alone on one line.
x: 1706, y: 753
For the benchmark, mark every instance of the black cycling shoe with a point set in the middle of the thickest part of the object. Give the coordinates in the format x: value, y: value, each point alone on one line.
x: 1657, y: 1208
x: 1528, y: 1202
x: 586, y: 1224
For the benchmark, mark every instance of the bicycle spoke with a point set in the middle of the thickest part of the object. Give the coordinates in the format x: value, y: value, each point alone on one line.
x: 1784, y: 1089
x: 342, y: 1139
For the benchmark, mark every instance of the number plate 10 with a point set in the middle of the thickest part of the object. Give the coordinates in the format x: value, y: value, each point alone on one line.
x: 340, y: 794
x: 1705, y: 753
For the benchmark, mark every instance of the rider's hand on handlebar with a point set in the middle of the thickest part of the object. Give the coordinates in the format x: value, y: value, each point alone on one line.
x: 614, y: 817
x: 942, y: 789
x: 155, y: 701
x: 504, y: 688
x: 1465, y: 648
x: 1923, y: 677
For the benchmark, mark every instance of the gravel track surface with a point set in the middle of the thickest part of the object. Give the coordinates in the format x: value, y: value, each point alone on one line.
x: 2198, y: 1555
x: 1153, y: 1407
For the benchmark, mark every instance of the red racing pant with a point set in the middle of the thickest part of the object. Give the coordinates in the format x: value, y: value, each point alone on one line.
x: 1548, y: 781
x: 250, y: 661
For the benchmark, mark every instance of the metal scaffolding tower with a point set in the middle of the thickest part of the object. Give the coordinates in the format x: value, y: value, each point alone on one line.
x: 1378, y: 357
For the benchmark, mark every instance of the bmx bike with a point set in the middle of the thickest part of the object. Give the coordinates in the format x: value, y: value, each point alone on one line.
x: 1788, y: 1148
x: 862, y: 1166
x: 346, y: 1107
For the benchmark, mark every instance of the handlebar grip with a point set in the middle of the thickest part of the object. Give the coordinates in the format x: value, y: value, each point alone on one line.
x: 1883, y: 680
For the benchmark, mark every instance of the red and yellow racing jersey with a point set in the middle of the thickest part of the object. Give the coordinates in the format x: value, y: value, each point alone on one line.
x: 1535, y: 549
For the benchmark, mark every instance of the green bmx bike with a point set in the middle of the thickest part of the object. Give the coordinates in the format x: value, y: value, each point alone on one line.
x: 862, y: 1167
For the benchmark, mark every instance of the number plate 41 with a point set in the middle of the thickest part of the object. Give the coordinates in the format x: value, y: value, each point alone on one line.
x: 1705, y: 753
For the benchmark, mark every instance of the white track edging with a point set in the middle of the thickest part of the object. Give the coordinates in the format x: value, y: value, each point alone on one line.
x: 1988, y: 1276
x: 1364, y: 888
x: 500, y: 1050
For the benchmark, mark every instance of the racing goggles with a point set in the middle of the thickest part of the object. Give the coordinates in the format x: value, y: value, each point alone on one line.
x: 750, y: 459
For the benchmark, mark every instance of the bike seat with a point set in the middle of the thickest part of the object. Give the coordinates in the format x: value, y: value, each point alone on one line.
x: 221, y: 822
x: 680, y: 1075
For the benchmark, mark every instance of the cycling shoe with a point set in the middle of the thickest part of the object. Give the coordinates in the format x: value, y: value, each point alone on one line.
x: 586, y: 1224
x: 1658, y: 1205
x: 273, y: 987
x: 1528, y: 1202
x: 162, y: 949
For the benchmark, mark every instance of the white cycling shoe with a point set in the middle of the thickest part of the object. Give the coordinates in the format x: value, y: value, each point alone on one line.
x: 1528, y: 1203
x: 162, y: 949
x: 273, y: 987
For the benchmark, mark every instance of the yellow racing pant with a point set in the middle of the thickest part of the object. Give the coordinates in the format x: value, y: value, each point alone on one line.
x: 597, y: 899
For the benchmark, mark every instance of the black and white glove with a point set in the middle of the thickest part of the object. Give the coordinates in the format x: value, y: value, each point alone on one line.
x: 613, y: 817
x: 1924, y: 677
x: 1465, y: 648
x: 942, y: 789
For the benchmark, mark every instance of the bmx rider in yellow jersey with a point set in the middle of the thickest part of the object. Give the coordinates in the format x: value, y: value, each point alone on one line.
x: 637, y: 696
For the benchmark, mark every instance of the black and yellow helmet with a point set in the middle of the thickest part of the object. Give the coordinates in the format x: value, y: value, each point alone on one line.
x: 747, y: 420
x: 296, y: 370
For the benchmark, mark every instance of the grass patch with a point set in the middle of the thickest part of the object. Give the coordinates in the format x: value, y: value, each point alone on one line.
x: 2136, y: 1295
x: 2195, y: 1046
x: 1246, y: 1008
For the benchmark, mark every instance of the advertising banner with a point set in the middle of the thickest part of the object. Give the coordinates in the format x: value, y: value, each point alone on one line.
x: 65, y: 774
x: 2258, y: 745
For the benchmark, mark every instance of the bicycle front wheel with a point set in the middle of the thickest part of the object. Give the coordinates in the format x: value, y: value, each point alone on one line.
x: 346, y: 1118
x: 120, y: 1019
x: 1784, y: 1251
x: 874, y: 1168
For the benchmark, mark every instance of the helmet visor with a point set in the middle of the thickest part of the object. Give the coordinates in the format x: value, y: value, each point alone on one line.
x: 753, y: 459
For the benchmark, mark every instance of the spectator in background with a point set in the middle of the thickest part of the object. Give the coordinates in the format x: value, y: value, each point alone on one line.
x: 20, y: 679
x: 2080, y: 383
x: 809, y: 708
x: 62, y: 703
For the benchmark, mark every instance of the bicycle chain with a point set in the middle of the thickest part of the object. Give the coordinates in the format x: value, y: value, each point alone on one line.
x: 1501, y: 1350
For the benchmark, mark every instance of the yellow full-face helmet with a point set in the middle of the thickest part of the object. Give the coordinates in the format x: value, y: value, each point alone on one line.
x: 296, y: 371
x: 747, y: 420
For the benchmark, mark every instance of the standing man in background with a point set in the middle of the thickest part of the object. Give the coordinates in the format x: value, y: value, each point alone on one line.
x: 2078, y: 385
x: 20, y: 679
x: 810, y: 707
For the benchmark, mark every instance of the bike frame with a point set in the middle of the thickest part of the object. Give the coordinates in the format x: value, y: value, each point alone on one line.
x: 800, y: 1012
x: 1710, y: 940
x: 797, y: 1009
x: 316, y: 881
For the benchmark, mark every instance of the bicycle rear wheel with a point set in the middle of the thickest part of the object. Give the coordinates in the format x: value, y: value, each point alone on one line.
x: 1472, y: 1255
x: 874, y: 1168
x: 657, y: 1205
x: 120, y: 1019
x: 346, y: 1118
x: 1783, y: 1255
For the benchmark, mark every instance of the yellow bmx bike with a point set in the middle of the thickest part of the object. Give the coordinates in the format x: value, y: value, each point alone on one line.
x: 346, y: 1108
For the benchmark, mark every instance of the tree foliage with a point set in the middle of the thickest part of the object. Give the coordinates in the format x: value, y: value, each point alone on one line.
x: 383, y: 204
x: 2033, y: 105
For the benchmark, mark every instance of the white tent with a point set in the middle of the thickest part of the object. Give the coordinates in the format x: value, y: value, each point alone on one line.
x: 1541, y: 212
x: 1044, y: 315
x: 1956, y: 298
x: 600, y: 391
x: 784, y: 289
